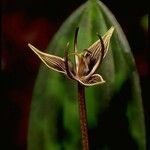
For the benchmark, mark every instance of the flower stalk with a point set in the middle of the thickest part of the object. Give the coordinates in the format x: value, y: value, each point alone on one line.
x: 83, y: 117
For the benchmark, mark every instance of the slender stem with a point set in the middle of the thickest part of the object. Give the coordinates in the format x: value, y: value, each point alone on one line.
x: 83, y: 116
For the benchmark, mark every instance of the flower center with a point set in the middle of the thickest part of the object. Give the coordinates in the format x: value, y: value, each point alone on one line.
x: 81, y: 66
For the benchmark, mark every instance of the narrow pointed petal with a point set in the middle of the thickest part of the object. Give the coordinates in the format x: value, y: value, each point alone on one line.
x: 75, y: 49
x: 102, y: 49
x: 97, y: 51
x: 51, y: 61
x: 69, y: 70
x: 95, y: 79
x: 106, y: 39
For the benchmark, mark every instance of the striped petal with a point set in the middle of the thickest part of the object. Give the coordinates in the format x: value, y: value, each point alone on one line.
x: 95, y: 79
x: 97, y: 51
x: 51, y: 61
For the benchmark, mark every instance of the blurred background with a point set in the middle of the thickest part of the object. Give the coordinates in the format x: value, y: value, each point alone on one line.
x: 36, y: 21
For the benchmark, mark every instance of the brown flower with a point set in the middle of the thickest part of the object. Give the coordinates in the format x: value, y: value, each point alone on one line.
x: 86, y: 62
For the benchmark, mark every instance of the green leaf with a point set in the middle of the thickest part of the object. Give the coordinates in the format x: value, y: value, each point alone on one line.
x: 115, y: 111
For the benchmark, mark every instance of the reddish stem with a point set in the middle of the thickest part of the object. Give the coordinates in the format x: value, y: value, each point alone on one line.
x: 83, y: 117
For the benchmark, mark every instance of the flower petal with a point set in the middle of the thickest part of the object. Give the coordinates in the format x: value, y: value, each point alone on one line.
x: 106, y: 39
x: 95, y: 53
x: 69, y: 69
x: 95, y: 49
x: 95, y: 79
x: 75, y: 49
x: 53, y: 62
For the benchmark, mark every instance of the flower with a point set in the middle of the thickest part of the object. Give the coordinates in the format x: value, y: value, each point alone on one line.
x: 86, y: 62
